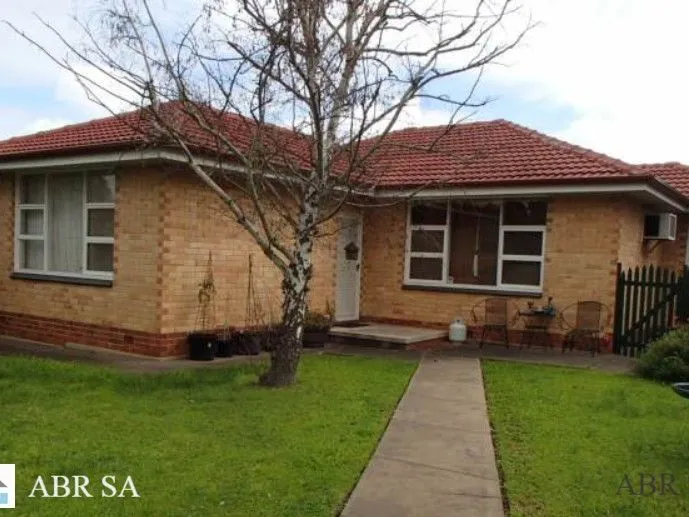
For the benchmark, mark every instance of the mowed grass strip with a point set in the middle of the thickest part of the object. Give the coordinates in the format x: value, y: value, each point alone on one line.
x: 196, y: 442
x: 568, y: 437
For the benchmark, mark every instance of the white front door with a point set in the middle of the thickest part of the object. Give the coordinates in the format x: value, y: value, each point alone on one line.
x: 348, y: 268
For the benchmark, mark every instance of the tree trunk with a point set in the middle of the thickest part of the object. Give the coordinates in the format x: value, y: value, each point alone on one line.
x: 284, y: 360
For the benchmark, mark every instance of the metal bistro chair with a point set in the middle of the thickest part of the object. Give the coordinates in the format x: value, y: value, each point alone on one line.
x: 587, y: 331
x: 495, y: 318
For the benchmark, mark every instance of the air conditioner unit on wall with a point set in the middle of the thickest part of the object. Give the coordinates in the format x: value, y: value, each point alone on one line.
x: 660, y: 227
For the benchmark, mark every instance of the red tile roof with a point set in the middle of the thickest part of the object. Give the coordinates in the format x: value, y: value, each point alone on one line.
x: 99, y: 134
x: 484, y: 153
x: 469, y: 154
x: 134, y: 129
x: 674, y: 174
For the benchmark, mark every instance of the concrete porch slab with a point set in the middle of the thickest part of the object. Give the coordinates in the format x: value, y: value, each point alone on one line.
x: 385, y: 333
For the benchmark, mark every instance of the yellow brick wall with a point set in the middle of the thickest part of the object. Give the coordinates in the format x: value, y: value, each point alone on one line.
x: 166, y: 223
x: 673, y: 252
x: 131, y: 302
x: 634, y: 251
x: 585, y: 237
x: 582, y: 242
x: 196, y: 223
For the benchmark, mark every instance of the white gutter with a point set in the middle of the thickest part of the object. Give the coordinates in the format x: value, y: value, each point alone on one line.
x: 124, y: 157
x: 109, y: 158
x: 532, y: 190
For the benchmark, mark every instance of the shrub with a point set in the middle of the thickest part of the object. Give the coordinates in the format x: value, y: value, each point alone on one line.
x: 667, y: 359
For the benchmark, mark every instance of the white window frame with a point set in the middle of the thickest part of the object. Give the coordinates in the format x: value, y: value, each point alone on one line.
x: 445, y: 255
x: 20, y: 237
x: 86, y: 206
x: 409, y: 254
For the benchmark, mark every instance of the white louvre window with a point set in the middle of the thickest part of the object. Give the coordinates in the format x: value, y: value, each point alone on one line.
x: 65, y: 224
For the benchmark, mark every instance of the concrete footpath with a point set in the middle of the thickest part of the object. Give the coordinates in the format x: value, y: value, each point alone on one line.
x: 436, y: 457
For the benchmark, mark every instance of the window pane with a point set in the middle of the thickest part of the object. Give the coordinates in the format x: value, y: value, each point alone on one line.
x: 65, y: 228
x: 429, y: 241
x: 522, y: 243
x: 101, y: 222
x: 421, y: 268
x: 31, y: 253
x: 32, y: 189
x: 474, y: 235
x: 101, y: 188
x: 429, y: 213
x: 100, y: 257
x: 31, y: 222
x: 521, y: 273
x: 525, y: 212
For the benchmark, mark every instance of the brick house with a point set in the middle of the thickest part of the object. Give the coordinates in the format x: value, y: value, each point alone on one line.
x: 106, y: 242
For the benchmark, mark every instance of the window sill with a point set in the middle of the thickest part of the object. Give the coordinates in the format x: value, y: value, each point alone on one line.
x: 473, y: 290
x: 75, y: 280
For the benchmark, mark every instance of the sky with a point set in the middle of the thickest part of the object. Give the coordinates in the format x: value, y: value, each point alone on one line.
x: 609, y: 75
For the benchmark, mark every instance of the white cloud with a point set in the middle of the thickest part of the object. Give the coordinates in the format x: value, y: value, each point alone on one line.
x: 619, y: 65
x: 40, y: 94
x: 413, y: 115
x: 21, y: 64
x: 36, y: 96
x: 113, y: 95
x: 19, y: 121
x: 616, y: 65
x: 43, y: 124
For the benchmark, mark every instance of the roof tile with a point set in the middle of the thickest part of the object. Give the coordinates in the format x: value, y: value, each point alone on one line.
x: 483, y: 152
x: 476, y: 153
x: 674, y: 174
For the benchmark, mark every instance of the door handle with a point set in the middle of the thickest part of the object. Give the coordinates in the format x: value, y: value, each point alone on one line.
x: 357, y: 267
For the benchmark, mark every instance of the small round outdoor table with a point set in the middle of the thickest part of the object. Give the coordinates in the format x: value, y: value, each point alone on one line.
x: 536, y: 323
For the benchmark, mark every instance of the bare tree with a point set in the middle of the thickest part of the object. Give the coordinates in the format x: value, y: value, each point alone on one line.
x: 284, y: 103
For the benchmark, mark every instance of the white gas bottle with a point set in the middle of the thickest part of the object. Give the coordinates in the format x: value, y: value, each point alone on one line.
x: 458, y: 331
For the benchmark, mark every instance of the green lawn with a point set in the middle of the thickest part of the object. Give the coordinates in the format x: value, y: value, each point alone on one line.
x: 196, y: 442
x: 567, y: 437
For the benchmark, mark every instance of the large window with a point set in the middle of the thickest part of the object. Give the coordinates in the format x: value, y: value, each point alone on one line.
x: 65, y: 224
x: 496, y: 244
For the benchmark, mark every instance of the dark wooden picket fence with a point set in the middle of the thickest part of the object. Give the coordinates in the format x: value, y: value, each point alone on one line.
x: 649, y: 301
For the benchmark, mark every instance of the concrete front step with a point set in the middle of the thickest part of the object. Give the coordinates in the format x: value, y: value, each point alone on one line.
x: 384, y: 335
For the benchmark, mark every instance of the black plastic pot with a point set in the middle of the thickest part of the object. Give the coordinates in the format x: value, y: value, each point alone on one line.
x: 224, y: 348
x: 245, y: 343
x: 315, y: 338
x: 237, y: 343
x: 252, y: 342
x: 202, y: 346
